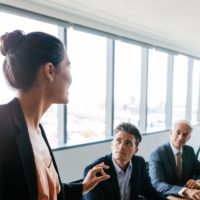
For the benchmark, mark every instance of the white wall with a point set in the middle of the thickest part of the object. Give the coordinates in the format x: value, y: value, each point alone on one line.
x: 71, y: 162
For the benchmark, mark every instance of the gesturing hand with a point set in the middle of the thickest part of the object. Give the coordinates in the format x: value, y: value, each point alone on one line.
x: 91, y: 180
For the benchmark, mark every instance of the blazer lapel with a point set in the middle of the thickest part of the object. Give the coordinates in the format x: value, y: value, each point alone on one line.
x: 186, y: 163
x: 135, y: 178
x: 113, y: 186
x: 171, y: 157
x: 133, y: 182
x: 50, y: 151
x: 25, y: 149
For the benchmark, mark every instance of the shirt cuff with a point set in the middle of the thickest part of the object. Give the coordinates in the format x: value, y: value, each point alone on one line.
x: 198, y: 182
x: 181, y: 191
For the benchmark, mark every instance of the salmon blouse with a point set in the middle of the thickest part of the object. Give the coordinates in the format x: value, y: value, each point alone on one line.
x: 47, y: 177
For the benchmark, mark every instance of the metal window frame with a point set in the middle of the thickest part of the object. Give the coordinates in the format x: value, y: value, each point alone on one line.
x: 110, y: 88
x: 169, y: 96
x: 144, y: 87
x: 62, y: 110
x: 189, y: 90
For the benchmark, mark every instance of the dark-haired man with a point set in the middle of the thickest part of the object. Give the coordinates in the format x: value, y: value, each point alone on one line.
x: 128, y: 175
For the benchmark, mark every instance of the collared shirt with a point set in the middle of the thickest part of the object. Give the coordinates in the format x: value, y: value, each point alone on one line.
x: 124, y: 180
x: 175, y: 151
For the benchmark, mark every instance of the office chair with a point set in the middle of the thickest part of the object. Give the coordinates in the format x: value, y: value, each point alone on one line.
x: 198, y: 154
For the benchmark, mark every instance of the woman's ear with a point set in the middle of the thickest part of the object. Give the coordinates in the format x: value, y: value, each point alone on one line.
x: 49, y: 71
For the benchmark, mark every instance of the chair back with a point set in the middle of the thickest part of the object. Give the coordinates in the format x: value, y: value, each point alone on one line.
x: 198, y: 154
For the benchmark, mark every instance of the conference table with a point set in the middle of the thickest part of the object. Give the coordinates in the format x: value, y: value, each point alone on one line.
x: 175, y: 198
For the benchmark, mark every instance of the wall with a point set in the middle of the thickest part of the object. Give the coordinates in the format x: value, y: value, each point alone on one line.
x: 71, y: 162
x: 138, y: 20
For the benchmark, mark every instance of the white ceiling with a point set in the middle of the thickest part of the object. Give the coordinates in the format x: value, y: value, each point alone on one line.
x: 169, y: 23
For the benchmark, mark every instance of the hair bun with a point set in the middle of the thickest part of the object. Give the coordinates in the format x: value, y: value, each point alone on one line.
x: 10, y: 41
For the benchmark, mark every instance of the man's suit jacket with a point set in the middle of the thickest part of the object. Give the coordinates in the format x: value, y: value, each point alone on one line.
x: 163, y: 170
x: 109, y: 189
x: 17, y: 165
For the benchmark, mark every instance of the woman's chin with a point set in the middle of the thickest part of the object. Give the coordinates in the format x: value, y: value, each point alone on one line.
x: 66, y: 101
x: 62, y: 101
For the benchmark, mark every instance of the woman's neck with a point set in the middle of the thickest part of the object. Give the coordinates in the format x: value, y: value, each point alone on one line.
x: 33, y: 108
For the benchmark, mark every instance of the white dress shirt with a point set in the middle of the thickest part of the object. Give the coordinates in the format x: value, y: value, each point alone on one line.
x: 123, y: 180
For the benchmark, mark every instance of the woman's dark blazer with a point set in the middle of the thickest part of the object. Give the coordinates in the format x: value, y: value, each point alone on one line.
x: 17, y: 166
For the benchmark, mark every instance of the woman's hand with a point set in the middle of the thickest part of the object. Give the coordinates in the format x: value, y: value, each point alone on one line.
x: 91, y: 180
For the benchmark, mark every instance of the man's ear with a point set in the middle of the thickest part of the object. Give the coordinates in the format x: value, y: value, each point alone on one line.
x: 136, y: 150
x: 170, y: 133
x: 49, y: 71
x: 111, y: 145
x: 189, y: 136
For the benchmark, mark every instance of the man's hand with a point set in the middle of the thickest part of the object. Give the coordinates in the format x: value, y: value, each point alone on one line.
x: 192, y: 184
x: 192, y: 194
x: 91, y: 180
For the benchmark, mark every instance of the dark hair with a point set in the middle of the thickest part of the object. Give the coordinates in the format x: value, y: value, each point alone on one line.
x: 26, y: 53
x: 130, y: 129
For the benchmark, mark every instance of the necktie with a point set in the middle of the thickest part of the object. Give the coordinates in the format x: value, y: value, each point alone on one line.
x: 179, y: 166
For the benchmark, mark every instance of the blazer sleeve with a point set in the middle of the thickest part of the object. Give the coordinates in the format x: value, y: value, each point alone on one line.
x: 196, y: 164
x: 148, y: 191
x: 197, y: 170
x: 73, y: 191
x: 157, y: 174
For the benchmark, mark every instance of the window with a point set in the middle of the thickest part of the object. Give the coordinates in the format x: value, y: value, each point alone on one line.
x: 157, y: 85
x: 14, y: 22
x: 96, y: 102
x: 127, y: 83
x: 86, y: 108
x: 179, y: 87
x: 195, y: 91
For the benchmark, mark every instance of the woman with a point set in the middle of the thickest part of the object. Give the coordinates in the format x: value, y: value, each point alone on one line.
x: 37, y: 66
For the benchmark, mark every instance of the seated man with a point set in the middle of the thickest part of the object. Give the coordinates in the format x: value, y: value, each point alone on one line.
x: 173, y: 167
x: 128, y: 175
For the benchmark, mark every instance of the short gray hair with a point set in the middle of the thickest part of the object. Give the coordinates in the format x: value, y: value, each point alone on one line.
x: 182, y: 121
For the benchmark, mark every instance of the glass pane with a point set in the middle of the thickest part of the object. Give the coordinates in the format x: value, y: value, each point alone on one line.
x: 195, y: 90
x: 127, y: 83
x: 86, y: 108
x: 157, y: 89
x: 13, y: 22
x: 179, y: 87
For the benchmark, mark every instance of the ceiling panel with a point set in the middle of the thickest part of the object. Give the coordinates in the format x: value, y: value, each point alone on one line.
x: 175, y: 23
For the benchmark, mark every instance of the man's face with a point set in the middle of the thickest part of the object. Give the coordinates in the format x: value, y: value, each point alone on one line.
x: 180, y: 135
x: 123, y: 147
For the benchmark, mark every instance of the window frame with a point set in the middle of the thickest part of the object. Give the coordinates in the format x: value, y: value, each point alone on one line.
x: 111, y: 38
